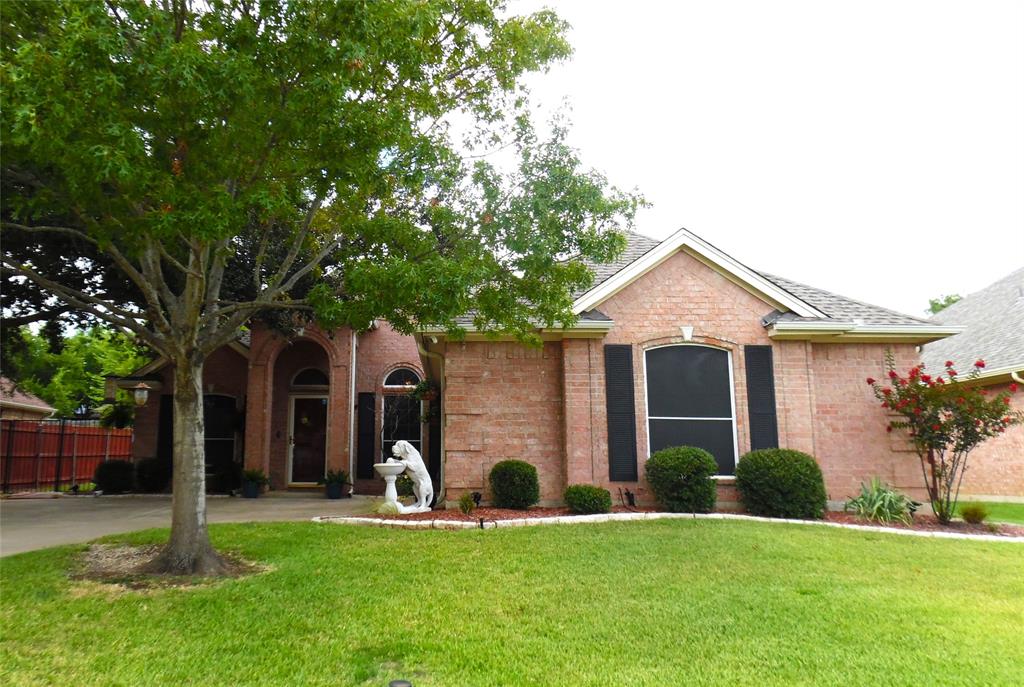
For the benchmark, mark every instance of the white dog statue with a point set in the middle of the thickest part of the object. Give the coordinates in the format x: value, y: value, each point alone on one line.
x: 422, y: 487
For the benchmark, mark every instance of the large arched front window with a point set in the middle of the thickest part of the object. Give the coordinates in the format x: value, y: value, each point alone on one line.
x: 690, y: 401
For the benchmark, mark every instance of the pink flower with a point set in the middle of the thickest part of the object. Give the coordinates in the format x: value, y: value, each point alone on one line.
x: 949, y: 363
x: 892, y: 374
x: 1013, y: 388
x: 888, y: 428
x: 979, y: 363
x: 936, y: 427
x: 886, y: 391
x: 952, y: 373
x: 871, y: 380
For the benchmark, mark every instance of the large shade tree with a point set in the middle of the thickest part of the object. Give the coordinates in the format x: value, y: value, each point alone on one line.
x: 176, y: 169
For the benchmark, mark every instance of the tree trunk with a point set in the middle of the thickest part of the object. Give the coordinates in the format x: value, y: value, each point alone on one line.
x: 189, y: 551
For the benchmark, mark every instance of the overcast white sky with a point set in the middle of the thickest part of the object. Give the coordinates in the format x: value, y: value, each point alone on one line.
x: 875, y: 149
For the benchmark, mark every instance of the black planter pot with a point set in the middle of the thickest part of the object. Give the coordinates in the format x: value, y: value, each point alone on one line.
x: 250, y: 490
x: 334, y: 490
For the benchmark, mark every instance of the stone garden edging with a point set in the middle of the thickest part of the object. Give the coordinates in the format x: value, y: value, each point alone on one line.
x: 440, y: 524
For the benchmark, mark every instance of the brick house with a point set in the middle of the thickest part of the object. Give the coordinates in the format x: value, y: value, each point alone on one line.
x: 676, y: 343
x: 993, y: 324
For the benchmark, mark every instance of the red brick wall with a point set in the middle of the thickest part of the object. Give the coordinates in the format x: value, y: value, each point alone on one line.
x: 996, y: 468
x: 225, y: 372
x: 824, y: 407
x: 378, y: 352
x: 503, y: 400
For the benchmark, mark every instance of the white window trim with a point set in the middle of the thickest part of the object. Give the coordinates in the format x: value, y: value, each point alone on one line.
x: 401, y: 387
x: 732, y: 404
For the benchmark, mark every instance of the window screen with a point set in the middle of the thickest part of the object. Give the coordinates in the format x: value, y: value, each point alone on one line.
x: 401, y: 421
x: 689, y: 401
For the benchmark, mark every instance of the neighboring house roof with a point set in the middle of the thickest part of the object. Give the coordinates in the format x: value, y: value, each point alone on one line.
x: 993, y: 321
x: 801, y: 311
x: 13, y: 397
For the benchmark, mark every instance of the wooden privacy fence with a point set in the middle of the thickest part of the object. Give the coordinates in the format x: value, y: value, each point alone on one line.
x: 47, y: 454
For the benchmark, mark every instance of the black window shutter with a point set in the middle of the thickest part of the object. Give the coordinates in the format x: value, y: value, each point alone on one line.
x: 366, y: 436
x: 618, y: 377
x: 165, y: 429
x: 764, y: 427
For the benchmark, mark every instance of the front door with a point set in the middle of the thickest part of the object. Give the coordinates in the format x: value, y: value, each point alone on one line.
x: 309, y: 438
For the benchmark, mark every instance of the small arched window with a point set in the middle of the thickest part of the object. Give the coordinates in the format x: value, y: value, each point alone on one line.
x: 311, y: 377
x: 402, y: 377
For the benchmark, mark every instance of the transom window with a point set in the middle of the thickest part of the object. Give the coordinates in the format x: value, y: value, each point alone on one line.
x: 311, y: 377
x: 402, y: 376
x: 690, y: 402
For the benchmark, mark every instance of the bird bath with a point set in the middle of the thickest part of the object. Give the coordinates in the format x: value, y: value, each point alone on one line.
x: 390, y: 472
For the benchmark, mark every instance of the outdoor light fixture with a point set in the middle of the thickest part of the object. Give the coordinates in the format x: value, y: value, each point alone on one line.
x: 140, y: 392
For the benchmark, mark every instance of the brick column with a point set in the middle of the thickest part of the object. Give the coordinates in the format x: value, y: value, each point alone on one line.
x: 577, y: 412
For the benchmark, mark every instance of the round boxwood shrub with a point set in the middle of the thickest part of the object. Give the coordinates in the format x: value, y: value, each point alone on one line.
x: 781, y: 483
x: 114, y: 476
x: 680, y: 478
x: 152, y: 475
x: 586, y: 498
x: 514, y: 484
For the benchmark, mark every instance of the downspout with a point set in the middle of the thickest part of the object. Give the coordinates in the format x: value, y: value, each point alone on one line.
x: 1015, y: 376
x: 440, y: 366
x: 352, y: 413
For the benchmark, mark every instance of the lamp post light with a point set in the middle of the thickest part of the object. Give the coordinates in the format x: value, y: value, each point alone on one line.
x: 140, y: 392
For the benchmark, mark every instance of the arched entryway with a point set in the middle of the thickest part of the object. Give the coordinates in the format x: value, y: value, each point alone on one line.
x: 301, y: 414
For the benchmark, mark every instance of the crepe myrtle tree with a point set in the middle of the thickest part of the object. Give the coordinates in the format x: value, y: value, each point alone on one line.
x: 946, y: 417
x: 176, y: 169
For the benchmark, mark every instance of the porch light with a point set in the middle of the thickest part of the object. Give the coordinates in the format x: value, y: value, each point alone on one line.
x: 140, y: 392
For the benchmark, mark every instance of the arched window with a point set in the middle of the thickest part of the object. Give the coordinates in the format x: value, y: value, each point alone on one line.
x: 690, y: 401
x: 311, y: 377
x: 401, y: 418
x: 403, y: 377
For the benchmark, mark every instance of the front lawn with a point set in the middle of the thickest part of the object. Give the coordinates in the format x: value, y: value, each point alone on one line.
x: 644, y: 603
x: 1000, y: 511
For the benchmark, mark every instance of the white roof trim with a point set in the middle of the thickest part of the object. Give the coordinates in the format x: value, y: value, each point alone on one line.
x: 990, y: 372
x: 670, y: 247
x: 17, y: 405
x: 853, y: 330
x: 581, y: 325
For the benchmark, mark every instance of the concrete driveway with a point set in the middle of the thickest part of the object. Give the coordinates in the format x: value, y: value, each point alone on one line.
x: 29, y: 524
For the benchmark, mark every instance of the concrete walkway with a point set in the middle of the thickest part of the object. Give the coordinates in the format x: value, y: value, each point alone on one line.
x: 29, y: 524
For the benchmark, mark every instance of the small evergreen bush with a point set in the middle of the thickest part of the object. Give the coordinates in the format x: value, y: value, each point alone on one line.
x: 781, y: 483
x: 681, y: 479
x: 514, y: 484
x: 880, y: 502
x: 152, y: 475
x: 114, y: 476
x: 974, y: 513
x: 586, y: 499
x: 466, y: 503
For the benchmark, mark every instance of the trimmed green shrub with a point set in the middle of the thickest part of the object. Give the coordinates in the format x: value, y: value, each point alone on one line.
x: 114, y: 476
x: 680, y: 478
x: 974, y: 513
x: 781, y: 483
x: 880, y: 502
x: 514, y: 484
x: 586, y: 498
x: 152, y: 475
x: 466, y: 503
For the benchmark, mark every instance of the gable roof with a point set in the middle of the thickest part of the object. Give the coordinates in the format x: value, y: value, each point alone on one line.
x: 801, y: 311
x: 993, y: 322
x: 13, y: 397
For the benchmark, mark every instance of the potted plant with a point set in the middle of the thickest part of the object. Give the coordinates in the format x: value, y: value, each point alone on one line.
x: 253, y: 482
x: 335, y: 482
x: 424, y: 391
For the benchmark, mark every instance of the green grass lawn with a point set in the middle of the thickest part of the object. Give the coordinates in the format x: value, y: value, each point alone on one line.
x: 645, y: 603
x: 1001, y: 511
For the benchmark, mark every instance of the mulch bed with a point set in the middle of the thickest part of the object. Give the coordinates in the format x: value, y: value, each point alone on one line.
x: 120, y: 565
x: 927, y: 523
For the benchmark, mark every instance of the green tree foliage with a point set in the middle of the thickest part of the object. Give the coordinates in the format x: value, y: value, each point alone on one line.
x: 942, y: 302
x: 72, y: 374
x: 177, y: 168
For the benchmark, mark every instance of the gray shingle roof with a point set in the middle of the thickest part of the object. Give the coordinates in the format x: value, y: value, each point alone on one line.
x: 839, y: 307
x: 637, y: 246
x: 994, y: 327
